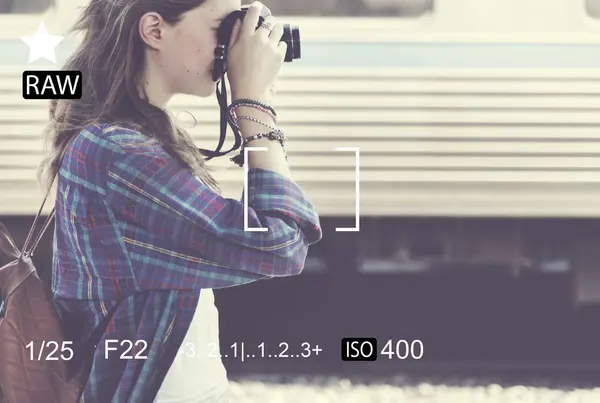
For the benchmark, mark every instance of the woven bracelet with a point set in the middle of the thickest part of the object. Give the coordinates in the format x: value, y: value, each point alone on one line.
x: 274, y: 135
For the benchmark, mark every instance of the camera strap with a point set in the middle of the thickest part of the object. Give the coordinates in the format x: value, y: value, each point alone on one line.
x: 222, y: 100
x: 219, y: 70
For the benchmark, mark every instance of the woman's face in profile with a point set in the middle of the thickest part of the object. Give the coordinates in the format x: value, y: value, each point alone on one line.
x: 187, y: 54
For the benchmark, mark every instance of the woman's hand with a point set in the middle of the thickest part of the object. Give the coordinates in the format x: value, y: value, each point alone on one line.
x: 255, y: 57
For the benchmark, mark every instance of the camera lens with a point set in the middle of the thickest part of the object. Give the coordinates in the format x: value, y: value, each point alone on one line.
x: 291, y: 36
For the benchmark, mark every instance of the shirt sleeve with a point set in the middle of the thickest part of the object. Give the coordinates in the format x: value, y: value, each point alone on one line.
x: 202, y: 239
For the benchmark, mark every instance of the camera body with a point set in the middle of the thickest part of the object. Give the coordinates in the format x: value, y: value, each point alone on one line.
x: 291, y: 36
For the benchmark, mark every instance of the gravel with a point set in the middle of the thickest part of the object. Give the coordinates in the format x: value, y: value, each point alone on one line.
x: 409, y: 389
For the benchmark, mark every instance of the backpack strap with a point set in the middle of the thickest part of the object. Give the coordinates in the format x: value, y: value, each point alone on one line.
x: 7, y: 244
x: 27, y: 251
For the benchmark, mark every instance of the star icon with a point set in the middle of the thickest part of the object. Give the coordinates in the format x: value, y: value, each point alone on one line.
x: 41, y: 45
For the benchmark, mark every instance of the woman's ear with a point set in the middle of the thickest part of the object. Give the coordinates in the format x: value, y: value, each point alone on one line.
x: 151, y: 29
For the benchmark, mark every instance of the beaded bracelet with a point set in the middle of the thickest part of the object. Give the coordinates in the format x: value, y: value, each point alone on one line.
x: 269, y: 111
x: 252, y: 103
x: 234, y: 122
x: 250, y: 118
x: 232, y: 115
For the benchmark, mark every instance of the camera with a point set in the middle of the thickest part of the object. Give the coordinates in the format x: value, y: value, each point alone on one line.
x: 291, y: 36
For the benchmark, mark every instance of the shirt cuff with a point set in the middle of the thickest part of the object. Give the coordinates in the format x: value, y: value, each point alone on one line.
x: 273, y: 192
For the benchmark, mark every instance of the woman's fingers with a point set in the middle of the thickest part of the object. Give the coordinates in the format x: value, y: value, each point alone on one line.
x: 276, y: 34
x: 251, y: 19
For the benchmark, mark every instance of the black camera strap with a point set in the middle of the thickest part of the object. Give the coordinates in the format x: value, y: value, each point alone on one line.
x: 218, y: 75
x: 219, y: 70
x: 222, y: 100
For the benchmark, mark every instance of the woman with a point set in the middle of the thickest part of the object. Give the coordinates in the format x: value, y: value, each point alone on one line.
x: 142, y: 235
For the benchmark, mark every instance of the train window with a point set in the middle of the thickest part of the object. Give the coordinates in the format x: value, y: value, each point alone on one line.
x: 25, y: 6
x: 352, y: 8
x: 593, y: 8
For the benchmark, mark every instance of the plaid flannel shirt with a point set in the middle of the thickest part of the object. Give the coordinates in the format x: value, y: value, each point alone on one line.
x: 137, y: 237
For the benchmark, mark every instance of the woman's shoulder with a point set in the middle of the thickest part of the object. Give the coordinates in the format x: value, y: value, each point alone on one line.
x: 121, y: 138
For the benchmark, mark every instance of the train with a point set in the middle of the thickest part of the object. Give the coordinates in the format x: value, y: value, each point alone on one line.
x: 473, y: 125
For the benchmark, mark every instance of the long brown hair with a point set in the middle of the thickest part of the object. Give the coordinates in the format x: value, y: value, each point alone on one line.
x: 111, y: 59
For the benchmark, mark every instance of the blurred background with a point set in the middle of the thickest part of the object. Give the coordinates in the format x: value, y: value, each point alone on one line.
x: 478, y: 127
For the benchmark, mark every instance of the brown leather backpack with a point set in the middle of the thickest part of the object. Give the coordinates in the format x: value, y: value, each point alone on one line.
x: 37, y: 364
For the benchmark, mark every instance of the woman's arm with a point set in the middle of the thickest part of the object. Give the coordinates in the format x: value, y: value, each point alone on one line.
x: 148, y: 188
